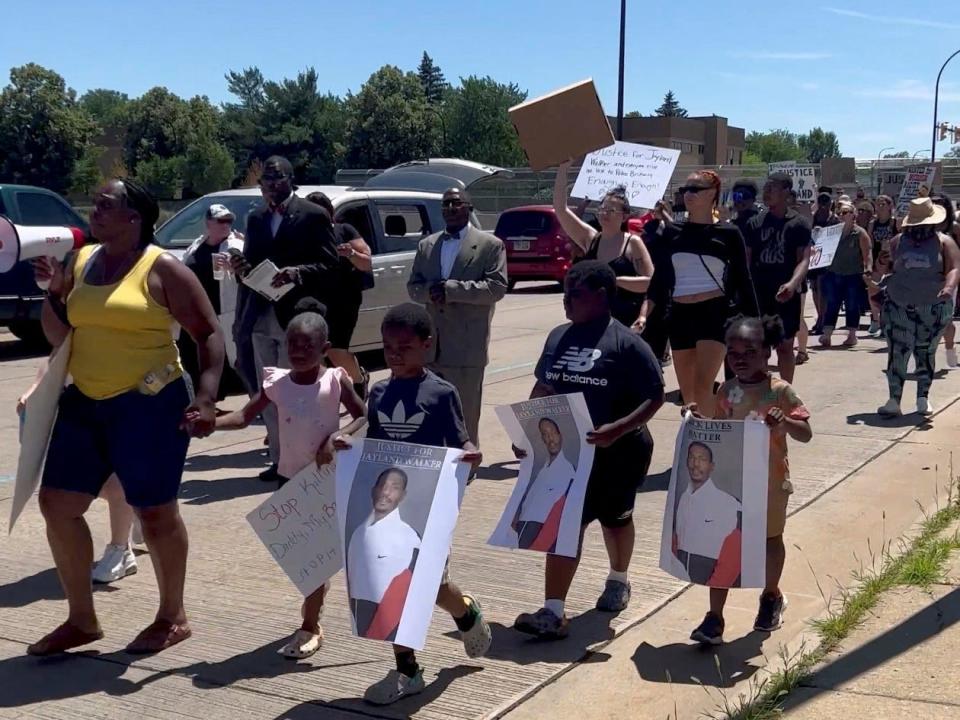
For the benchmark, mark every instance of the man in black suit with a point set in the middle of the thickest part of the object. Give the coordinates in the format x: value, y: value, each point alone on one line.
x: 297, y: 236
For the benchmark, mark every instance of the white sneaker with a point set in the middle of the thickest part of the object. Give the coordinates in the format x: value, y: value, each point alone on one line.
x: 393, y: 687
x: 924, y: 407
x: 890, y: 410
x: 952, y: 357
x: 117, y: 563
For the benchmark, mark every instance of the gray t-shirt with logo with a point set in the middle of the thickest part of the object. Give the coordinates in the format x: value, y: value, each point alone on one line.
x: 424, y: 410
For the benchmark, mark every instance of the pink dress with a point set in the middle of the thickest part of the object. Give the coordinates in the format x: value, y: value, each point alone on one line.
x: 308, y: 415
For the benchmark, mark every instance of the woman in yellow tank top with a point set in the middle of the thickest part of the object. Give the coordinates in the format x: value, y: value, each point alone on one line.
x: 128, y: 410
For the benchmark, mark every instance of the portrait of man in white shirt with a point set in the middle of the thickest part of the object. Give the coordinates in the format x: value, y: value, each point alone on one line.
x: 706, y: 525
x: 381, y: 557
x: 537, y: 520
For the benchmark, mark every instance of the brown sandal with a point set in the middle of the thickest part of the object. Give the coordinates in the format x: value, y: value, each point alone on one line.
x: 802, y: 357
x: 65, y: 637
x: 159, y: 636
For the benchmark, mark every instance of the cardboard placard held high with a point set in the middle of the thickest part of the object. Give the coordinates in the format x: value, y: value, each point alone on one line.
x: 564, y: 124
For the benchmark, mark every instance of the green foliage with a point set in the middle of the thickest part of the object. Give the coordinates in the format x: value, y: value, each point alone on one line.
x: 43, y: 132
x: 161, y: 176
x: 105, y: 106
x: 633, y: 114
x: 86, y: 175
x: 432, y: 80
x: 901, y: 154
x: 477, y: 122
x: 772, y: 146
x: 389, y: 121
x: 670, y: 107
x: 819, y: 144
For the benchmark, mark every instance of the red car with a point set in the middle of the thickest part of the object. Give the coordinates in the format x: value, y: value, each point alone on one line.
x: 537, y: 247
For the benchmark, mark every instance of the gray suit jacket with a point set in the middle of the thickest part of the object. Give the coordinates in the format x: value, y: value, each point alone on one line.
x: 477, y: 282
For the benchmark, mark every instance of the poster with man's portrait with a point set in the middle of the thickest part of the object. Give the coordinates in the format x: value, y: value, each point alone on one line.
x: 715, y: 519
x: 544, y: 511
x: 397, y: 507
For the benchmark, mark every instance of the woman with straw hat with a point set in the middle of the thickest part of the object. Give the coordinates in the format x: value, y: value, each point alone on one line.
x: 920, y: 290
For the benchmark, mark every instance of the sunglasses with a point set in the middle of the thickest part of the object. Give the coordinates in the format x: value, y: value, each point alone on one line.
x: 739, y: 196
x: 224, y: 221
x: 846, y: 212
x: 452, y: 203
x: 694, y: 189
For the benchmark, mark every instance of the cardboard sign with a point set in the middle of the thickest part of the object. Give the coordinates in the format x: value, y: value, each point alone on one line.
x: 644, y: 170
x: 825, y: 242
x: 804, y: 179
x: 561, y: 125
x: 916, y: 178
x: 298, y: 526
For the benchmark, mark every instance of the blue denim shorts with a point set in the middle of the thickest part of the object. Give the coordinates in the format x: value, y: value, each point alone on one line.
x: 136, y: 436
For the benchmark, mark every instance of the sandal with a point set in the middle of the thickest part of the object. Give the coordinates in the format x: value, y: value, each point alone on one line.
x: 802, y: 357
x: 159, y: 636
x: 302, y: 645
x: 65, y: 637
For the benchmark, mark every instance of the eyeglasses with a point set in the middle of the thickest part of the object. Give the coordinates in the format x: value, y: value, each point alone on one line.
x: 694, y: 189
x: 739, y: 196
x: 608, y: 211
x: 452, y: 203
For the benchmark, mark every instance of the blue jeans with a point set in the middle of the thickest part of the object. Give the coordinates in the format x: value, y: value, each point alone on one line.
x: 839, y: 289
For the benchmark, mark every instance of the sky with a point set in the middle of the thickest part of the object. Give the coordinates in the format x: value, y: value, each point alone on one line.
x: 865, y: 70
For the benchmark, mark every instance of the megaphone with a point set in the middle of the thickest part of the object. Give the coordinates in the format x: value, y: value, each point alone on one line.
x: 23, y: 242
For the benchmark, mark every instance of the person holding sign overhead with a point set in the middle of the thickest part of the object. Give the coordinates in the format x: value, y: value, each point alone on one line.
x: 624, y: 252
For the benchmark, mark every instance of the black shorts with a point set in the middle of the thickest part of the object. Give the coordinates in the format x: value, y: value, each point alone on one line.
x: 693, y: 322
x: 618, y: 472
x: 341, y: 318
x: 789, y: 311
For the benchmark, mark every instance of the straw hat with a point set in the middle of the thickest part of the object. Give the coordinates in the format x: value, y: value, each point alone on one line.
x: 923, y: 211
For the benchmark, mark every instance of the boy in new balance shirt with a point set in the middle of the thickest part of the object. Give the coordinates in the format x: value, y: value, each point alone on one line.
x: 621, y: 382
x: 416, y: 406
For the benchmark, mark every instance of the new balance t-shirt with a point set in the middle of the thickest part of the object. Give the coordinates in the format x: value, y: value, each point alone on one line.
x: 775, y: 244
x: 611, y: 365
x: 424, y: 410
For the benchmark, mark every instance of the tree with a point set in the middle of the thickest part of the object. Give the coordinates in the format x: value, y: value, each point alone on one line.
x: 161, y: 176
x: 953, y: 152
x: 42, y: 129
x: 389, y: 120
x: 901, y: 154
x: 432, y: 80
x: 818, y: 144
x: 105, y: 106
x: 670, y: 107
x: 86, y: 176
x: 772, y: 146
x: 477, y: 122
x: 633, y: 114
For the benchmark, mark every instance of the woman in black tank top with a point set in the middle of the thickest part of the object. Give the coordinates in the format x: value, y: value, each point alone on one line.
x: 882, y: 229
x: 626, y: 254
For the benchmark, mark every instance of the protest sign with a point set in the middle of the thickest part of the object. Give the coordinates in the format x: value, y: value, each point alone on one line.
x: 917, y: 181
x: 644, y: 170
x: 825, y: 242
x: 397, y: 507
x: 891, y: 182
x: 546, y: 506
x: 715, y: 518
x: 804, y: 179
x: 298, y: 526
x: 564, y: 124
x: 39, y: 415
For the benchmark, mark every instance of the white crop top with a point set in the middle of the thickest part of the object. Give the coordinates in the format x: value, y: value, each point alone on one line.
x: 692, y: 276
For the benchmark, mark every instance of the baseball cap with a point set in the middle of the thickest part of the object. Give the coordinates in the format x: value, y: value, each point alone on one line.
x: 219, y: 212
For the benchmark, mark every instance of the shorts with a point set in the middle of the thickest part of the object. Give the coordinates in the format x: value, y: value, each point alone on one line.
x: 618, y: 473
x: 693, y: 322
x: 136, y: 436
x: 777, y: 498
x: 789, y: 312
x: 341, y: 319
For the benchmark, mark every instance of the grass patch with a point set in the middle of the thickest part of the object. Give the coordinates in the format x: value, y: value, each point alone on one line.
x: 919, y: 563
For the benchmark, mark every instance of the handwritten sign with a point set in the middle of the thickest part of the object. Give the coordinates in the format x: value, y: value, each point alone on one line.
x: 825, y: 242
x: 804, y: 179
x: 298, y: 526
x: 644, y: 170
x: 916, y: 177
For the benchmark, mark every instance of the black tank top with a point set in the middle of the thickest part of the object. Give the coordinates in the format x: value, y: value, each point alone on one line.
x: 626, y: 305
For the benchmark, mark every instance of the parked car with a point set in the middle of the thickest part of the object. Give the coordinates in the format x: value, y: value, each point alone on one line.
x: 537, y: 247
x: 20, y: 298
x: 390, y: 218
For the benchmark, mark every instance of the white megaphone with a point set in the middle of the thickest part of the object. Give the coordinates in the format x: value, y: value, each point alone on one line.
x: 23, y: 242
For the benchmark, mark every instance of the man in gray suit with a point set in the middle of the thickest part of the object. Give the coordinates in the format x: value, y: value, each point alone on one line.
x: 460, y: 274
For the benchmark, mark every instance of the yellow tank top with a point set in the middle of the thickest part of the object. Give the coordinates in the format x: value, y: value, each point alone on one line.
x: 120, y: 332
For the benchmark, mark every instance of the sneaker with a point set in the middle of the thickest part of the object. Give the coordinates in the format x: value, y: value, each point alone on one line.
x: 117, y: 562
x: 874, y: 329
x: 825, y: 339
x: 924, y: 407
x: 891, y: 409
x: 710, y: 631
x: 393, y: 687
x: 476, y: 640
x: 952, y: 357
x: 542, y: 624
x: 851, y: 340
x: 270, y: 474
x: 770, y: 614
x: 615, y: 596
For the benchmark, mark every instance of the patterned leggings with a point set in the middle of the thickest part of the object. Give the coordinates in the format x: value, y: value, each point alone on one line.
x: 913, y: 329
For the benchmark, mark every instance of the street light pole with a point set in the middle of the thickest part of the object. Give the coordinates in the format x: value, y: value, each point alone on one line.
x: 880, y: 154
x: 936, y: 101
x: 623, y: 42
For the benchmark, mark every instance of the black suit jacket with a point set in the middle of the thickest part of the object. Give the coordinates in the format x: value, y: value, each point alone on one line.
x: 305, y: 240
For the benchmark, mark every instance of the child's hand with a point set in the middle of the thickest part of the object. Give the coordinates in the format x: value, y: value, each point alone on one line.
x: 342, y: 441
x: 518, y: 453
x: 774, y: 419
x: 692, y: 409
x: 326, y: 452
x: 473, y: 457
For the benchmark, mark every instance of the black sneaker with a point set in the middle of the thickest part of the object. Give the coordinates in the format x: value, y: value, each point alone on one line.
x: 710, y: 631
x: 270, y: 474
x: 770, y: 614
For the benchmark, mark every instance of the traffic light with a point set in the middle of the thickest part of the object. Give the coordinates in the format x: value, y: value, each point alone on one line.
x: 956, y: 135
x: 943, y: 130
